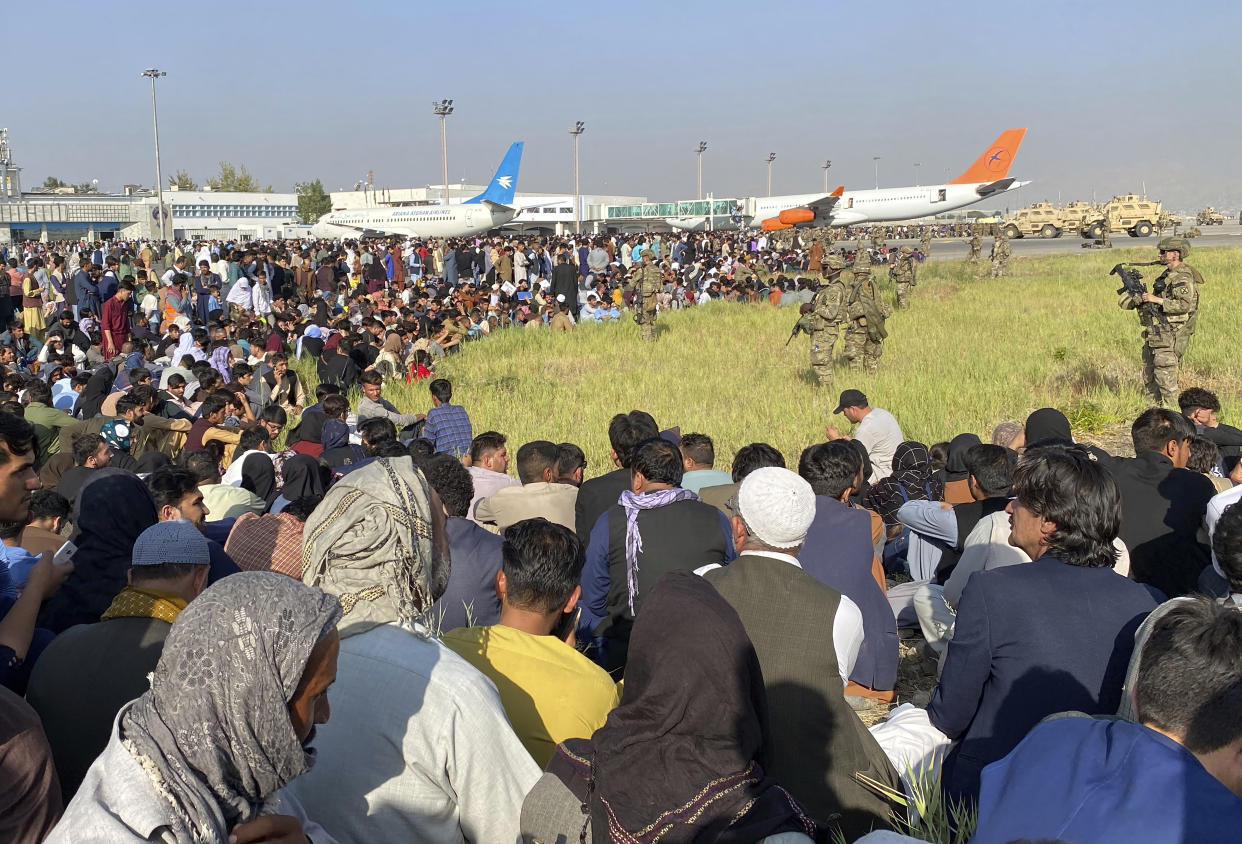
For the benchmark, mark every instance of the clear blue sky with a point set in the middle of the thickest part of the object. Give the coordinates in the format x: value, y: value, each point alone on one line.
x: 1113, y: 93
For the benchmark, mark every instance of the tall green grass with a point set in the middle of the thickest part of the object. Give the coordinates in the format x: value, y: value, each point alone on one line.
x: 971, y: 352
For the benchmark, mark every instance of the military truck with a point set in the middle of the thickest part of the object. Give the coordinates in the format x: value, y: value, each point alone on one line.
x: 1209, y: 217
x: 1129, y: 213
x: 1042, y: 218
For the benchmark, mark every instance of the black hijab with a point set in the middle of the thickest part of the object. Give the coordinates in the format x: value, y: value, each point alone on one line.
x: 911, y: 475
x: 679, y: 759
x: 91, y: 399
x: 110, y: 512
x: 309, y: 429
x: 259, y: 476
x: 303, y: 478
x: 1047, y: 425
x: 955, y: 469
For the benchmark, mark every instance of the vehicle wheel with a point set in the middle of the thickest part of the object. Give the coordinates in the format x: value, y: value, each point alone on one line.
x: 1059, y: 233
x: 1011, y: 231
x: 1142, y: 229
x: 1049, y: 230
x: 1094, y: 231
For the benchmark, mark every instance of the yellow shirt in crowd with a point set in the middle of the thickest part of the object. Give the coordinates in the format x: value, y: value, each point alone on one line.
x: 550, y: 691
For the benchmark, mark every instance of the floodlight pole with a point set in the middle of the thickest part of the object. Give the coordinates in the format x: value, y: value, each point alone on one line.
x: 700, y: 149
x: 153, y: 74
x: 442, y: 110
x: 771, y: 157
x: 576, y: 130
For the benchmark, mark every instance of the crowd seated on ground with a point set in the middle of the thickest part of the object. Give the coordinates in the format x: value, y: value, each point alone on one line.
x: 664, y: 651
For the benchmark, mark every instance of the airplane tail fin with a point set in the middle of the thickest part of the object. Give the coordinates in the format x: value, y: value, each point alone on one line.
x: 994, y: 163
x: 504, y: 184
x: 840, y: 190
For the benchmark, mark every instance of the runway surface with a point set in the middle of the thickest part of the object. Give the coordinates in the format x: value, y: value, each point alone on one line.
x: 955, y: 249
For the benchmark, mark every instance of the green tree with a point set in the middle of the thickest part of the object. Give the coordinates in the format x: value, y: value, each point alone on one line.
x: 236, y: 179
x: 182, y: 181
x: 85, y: 187
x: 52, y: 183
x: 313, y: 201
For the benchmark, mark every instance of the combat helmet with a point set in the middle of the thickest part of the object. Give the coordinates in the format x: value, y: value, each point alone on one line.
x: 1181, y: 244
x: 834, y: 262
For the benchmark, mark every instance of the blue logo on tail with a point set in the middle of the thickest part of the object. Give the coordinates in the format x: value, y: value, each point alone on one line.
x: 504, y: 183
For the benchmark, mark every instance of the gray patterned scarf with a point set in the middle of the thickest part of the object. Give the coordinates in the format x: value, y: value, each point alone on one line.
x: 633, y: 539
x: 213, y: 732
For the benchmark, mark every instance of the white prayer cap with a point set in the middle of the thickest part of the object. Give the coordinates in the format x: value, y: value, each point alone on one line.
x: 777, y: 505
x: 560, y: 297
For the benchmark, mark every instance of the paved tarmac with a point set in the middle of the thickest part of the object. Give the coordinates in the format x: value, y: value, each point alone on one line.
x: 956, y: 249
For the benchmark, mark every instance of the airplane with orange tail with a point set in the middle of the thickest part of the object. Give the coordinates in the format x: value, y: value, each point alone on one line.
x: 986, y: 178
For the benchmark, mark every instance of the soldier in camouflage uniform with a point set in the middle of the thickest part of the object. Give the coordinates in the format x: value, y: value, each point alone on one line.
x: 1000, y: 256
x: 877, y: 238
x: 902, y: 273
x: 865, y: 333
x: 1168, y: 325
x: 862, y: 260
x: 925, y: 241
x: 1106, y: 233
x: 976, y: 247
x: 825, y: 313
x: 647, y: 283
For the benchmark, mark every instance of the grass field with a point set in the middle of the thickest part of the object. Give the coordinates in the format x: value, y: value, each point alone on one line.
x: 971, y: 352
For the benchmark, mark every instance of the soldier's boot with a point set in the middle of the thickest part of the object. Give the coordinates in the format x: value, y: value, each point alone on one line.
x: 903, y: 292
x: 872, y: 364
x: 647, y: 331
x: 823, y: 374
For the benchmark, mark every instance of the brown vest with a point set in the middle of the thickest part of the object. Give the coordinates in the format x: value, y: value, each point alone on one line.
x: 816, y: 742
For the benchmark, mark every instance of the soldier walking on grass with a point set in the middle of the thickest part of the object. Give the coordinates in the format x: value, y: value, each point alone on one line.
x: 647, y: 284
x: 864, y: 332
x: 902, y: 273
x: 824, y: 315
x: 1000, y: 256
x: 976, y: 248
x: 1167, y: 313
x: 925, y: 241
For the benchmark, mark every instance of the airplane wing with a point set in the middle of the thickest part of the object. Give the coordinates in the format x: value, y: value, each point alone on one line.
x: 496, y: 205
x: 824, y: 204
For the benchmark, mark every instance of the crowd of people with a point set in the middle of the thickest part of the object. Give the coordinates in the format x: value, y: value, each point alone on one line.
x: 292, y: 613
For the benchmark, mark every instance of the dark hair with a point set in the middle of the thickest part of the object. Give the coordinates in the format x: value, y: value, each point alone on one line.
x: 38, y: 391
x: 392, y: 448
x: 627, y: 430
x: 11, y: 530
x: 170, y: 484
x: 46, y: 503
x: 485, y: 443
x: 301, y: 508
x: 212, y: 404
x: 370, y: 376
x: 755, y: 456
x: 830, y: 468
x: 1156, y: 427
x: 241, y: 370
x: 1226, y: 545
x: 571, y: 459
x: 164, y: 571
x: 542, y: 562
x: 252, y: 439
x: 938, y: 456
x: 204, y: 465
x: 1197, y: 397
x: 698, y: 448
x: 441, y: 389
x: 84, y: 447
x: 992, y: 467
x: 1063, y: 484
x: 275, y: 414
x: 17, y: 436
x: 1190, y: 678
x: 1204, y: 454
x: 375, y: 432
x: 451, y: 481
x: 421, y: 448
x: 659, y: 461
x: 536, y: 456
x: 325, y: 388
x: 335, y: 406
x: 127, y: 403
x: 138, y: 373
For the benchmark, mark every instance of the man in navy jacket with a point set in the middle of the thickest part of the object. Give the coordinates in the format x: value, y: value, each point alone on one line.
x: 1050, y: 636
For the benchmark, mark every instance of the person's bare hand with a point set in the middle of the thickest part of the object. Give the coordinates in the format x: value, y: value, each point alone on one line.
x: 269, y: 829
x: 46, y: 577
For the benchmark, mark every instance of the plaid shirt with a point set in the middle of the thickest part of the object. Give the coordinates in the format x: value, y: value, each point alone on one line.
x: 448, y: 427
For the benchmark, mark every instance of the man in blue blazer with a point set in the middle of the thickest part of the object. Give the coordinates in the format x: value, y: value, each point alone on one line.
x: 1049, y: 636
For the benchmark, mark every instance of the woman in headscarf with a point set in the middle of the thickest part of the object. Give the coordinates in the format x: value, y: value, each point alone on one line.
x: 337, y: 449
x: 311, y: 341
x: 681, y: 758
x: 258, y: 475
x: 111, y: 510
x: 91, y: 399
x: 391, y: 360
x: 227, y: 724
x: 303, y: 478
x: 955, y: 476
x: 911, y: 481
x: 220, y: 359
x: 307, y: 437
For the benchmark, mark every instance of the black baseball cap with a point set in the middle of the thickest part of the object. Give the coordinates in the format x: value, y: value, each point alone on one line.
x: 851, y: 398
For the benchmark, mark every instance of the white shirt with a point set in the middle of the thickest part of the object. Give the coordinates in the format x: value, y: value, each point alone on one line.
x: 486, y: 484
x: 1215, y: 507
x: 881, y: 434
x: 847, y: 624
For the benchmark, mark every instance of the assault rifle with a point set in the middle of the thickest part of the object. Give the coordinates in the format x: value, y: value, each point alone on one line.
x: 800, y: 327
x: 1132, y: 283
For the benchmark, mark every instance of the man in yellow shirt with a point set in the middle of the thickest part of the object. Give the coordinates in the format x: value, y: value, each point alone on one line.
x: 550, y: 691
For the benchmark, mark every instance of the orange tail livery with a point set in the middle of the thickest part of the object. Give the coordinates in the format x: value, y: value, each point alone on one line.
x: 993, y: 164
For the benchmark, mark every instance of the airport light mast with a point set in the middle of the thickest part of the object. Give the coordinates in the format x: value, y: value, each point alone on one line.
x: 876, y: 160
x: 771, y: 157
x: 153, y: 74
x: 916, y: 172
x: 826, y: 166
x: 576, y: 130
x: 442, y: 110
x: 700, y: 149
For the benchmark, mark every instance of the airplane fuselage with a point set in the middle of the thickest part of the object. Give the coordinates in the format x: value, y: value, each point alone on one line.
x: 885, y: 205
x: 420, y: 221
